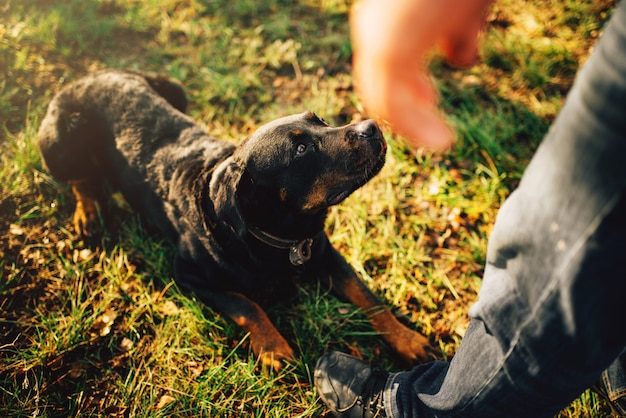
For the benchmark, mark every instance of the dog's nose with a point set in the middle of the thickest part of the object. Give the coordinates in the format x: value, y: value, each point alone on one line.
x: 367, y: 129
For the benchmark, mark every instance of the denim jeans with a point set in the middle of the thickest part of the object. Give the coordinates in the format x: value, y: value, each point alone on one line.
x: 614, y: 382
x: 550, y: 315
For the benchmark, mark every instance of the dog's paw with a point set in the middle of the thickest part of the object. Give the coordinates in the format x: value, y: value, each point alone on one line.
x: 274, y: 353
x: 86, y: 221
x: 276, y: 361
x: 412, y: 347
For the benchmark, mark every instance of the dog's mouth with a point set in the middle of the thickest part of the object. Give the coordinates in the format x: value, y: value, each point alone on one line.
x: 365, y: 174
x: 338, y: 197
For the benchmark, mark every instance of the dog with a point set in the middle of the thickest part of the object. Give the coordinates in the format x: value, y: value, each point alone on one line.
x: 242, y: 218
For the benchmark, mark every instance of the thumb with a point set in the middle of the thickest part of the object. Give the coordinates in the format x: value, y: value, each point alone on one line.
x: 461, y: 48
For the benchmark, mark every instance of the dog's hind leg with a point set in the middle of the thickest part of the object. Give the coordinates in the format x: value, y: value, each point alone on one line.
x: 69, y: 140
x: 88, y: 194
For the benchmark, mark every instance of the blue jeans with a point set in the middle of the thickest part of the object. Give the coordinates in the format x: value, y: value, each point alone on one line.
x: 550, y: 315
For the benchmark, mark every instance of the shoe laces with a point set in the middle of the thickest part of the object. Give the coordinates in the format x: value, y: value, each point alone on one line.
x: 371, y: 397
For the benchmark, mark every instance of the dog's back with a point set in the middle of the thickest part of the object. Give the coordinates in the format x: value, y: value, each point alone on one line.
x: 167, y: 87
x: 82, y: 119
x: 126, y: 127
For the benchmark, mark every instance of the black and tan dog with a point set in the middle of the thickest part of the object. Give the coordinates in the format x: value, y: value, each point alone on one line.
x: 241, y: 217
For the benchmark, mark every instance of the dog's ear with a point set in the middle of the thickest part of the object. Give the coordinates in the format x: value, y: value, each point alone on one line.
x: 223, y: 190
x: 245, y: 189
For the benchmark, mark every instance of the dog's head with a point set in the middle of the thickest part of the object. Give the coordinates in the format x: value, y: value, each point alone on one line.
x: 298, y: 166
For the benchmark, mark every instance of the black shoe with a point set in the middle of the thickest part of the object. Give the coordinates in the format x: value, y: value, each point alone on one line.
x: 350, y: 387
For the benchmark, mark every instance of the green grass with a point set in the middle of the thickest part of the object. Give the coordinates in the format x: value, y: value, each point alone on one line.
x: 101, y: 330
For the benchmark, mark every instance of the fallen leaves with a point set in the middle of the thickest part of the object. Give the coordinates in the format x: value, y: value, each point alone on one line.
x: 16, y: 230
x: 168, y: 308
x: 102, y: 326
x: 194, y: 367
x: 165, y: 401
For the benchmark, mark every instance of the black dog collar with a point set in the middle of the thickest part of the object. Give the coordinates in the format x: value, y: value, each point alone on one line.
x: 299, y: 251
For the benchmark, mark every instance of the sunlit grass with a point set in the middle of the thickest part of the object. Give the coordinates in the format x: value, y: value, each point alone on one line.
x: 100, y: 329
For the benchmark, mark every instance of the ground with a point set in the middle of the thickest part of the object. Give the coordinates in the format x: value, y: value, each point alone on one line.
x: 100, y: 329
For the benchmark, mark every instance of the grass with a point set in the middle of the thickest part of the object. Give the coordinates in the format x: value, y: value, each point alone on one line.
x: 101, y: 330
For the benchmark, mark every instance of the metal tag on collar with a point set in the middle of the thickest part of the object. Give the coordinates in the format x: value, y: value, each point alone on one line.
x: 300, y: 253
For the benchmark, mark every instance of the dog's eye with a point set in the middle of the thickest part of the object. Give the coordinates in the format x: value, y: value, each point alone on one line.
x: 300, y: 149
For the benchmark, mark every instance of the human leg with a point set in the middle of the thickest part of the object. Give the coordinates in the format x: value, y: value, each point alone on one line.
x: 612, y: 385
x: 548, y: 319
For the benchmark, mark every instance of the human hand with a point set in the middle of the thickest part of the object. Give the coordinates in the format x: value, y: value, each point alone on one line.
x: 390, y: 39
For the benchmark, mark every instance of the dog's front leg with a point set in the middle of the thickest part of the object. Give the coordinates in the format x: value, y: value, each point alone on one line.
x: 408, y: 344
x: 267, y: 343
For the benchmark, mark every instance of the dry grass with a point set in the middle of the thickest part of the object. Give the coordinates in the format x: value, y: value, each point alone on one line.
x: 99, y: 329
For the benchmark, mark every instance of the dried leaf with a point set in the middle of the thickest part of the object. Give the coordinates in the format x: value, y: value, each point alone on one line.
x: 126, y: 344
x: 165, y: 401
x: 119, y: 361
x: 195, y: 368
x: 169, y: 308
x: 455, y: 219
x: 16, y: 230
x: 76, y: 371
x: 102, y: 326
